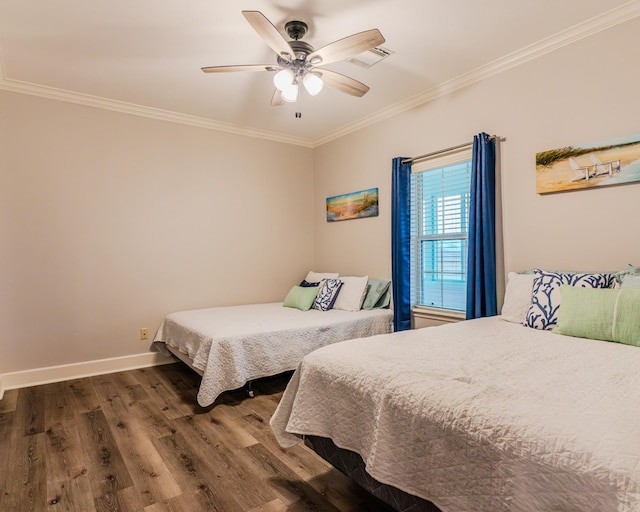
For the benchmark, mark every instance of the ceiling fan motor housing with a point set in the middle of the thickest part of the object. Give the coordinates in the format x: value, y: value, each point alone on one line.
x: 300, y: 49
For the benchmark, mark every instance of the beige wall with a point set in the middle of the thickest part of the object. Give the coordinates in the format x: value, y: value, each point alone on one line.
x: 581, y: 93
x: 110, y: 221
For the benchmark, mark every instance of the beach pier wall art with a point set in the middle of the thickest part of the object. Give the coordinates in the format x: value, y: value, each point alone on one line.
x: 354, y: 205
x: 600, y: 164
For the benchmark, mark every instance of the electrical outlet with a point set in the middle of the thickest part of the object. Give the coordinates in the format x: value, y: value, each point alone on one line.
x: 144, y: 333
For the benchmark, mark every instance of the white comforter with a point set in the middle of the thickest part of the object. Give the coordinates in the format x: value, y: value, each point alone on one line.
x: 477, y: 416
x: 235, y: 344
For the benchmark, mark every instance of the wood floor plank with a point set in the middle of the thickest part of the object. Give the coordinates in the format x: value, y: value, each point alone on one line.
x: 123, y: 500
x: 82, y: 395
x: 9, y: 400
x: 226, y: 431
x: 276, y: 505
x: 72, y: 495
x: 25, y: 487
x: 134, y: 388
x: 184, y: 383
x: 59, y: 404
x: 106, y: 469
x: 7, y: 439
x: 195, y: 475
x: 236, y: 479
x: 286, y: 483
x: 181, y: 503
x: 145, y: 465
x: 156, y: 424
x: 30, y: 410
x: 64, y: 451
x: 170, y: 403
x: 300, y: 459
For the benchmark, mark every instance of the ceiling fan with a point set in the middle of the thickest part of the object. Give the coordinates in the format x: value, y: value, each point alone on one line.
x: 297, y: 61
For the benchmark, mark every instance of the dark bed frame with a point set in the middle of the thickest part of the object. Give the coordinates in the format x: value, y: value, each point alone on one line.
x: 352, y: 465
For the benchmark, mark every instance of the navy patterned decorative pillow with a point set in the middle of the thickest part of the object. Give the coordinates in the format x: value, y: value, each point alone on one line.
x: 329, y: 289
x: 545, y: 299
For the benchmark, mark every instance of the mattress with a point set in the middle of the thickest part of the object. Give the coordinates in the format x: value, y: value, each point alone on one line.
x: 483, y: 415
x: 235, y: 344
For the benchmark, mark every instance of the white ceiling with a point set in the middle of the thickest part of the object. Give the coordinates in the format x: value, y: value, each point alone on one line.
x: 144, y: 56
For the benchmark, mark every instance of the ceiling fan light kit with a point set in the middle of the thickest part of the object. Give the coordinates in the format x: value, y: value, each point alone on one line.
x: 297, y: 60
x: 312, y: 83
x: 283, y: 79
x: 290, y: 94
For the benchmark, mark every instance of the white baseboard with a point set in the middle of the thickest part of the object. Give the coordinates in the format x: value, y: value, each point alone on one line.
x: 63, y: 372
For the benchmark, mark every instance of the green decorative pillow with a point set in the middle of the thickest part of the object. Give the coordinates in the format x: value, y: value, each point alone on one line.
x: 600, y: 313
x: 301, y: 297
x: 630, y: 281
x: 629, y: 272
x: 378, y: 294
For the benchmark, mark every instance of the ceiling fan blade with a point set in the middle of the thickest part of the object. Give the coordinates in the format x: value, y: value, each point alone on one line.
x: 346, y: 47
x: 343, y: 83
x: 249, y: 67
x: 277, y: 100
x: 269, y: 33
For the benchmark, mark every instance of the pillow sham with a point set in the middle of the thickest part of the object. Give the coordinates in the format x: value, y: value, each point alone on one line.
x: 545, y: 299
x: 301, y: 297
x: 329, y: 289
x: 630, y: 281
x: 316, y: 277
x: 517, y: 297
x: 600, y: 314
x: 352, y: 293
x: 378, y: 294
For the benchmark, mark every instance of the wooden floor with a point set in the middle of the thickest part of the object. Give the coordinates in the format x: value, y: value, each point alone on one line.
x: 137, y: 441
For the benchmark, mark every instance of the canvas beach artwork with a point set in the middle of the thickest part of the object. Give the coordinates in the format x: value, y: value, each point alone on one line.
x: 609, y: 162
x: 354, y: 205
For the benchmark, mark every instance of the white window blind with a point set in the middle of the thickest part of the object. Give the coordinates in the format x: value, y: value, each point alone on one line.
x: 439, y: 226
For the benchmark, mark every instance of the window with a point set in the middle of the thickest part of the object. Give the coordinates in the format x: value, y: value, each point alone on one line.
x: 439, y: 226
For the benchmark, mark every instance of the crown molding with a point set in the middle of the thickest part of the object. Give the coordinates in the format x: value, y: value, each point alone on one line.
x: 622, y: 14
x: 144, y: 111
x: 604, y: 21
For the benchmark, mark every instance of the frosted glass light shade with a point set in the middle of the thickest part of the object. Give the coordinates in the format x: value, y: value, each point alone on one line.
x: 290, y: 94
x: 312, y: 83
x: 283, y: 79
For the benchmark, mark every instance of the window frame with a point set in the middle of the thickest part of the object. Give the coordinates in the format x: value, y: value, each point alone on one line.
x: 462, y: 156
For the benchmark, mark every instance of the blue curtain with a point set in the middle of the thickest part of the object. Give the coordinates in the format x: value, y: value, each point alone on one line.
x: 481, y: 263
x: 400, y: 244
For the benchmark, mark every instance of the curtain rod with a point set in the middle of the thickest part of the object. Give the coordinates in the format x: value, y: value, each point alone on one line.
x: 443, y: 151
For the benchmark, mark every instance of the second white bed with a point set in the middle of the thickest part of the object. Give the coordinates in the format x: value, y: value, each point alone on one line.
x: 235, y: 344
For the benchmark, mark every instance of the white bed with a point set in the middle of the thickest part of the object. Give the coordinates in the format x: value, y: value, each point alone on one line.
x: 230, y: 346
x: 483, y: 415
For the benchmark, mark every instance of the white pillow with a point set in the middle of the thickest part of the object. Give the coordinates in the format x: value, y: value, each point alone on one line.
x: 352, y: 293
x: 316, y: 277
x: 517, y: 297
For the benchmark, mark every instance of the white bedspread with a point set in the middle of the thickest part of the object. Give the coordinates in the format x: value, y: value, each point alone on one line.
x: 235, y: 344
x: 477, y: 416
